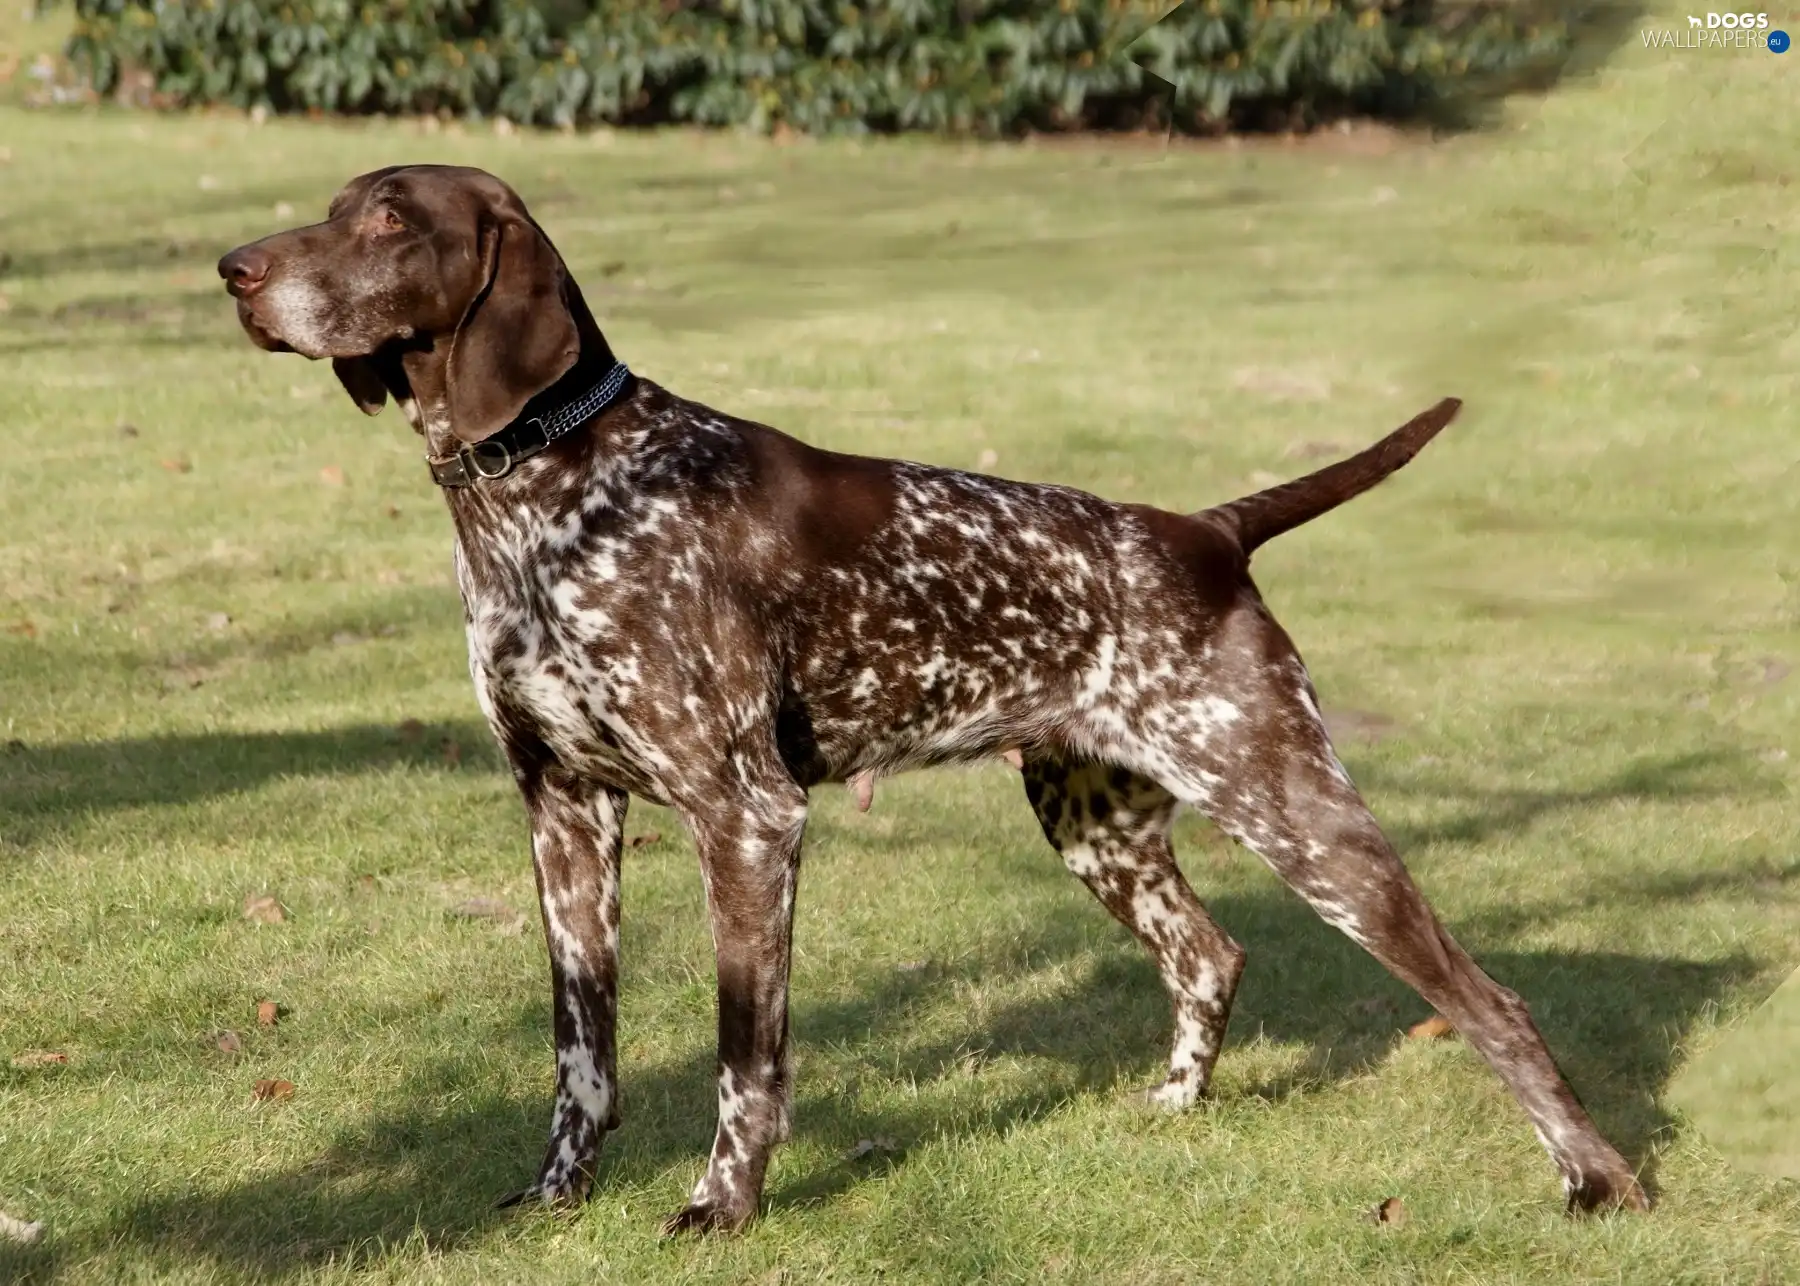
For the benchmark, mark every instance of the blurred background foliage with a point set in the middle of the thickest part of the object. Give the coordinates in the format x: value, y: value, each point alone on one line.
x: 988, y: 68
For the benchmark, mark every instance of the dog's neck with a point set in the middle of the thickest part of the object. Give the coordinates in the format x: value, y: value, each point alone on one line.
x: 419, y: 382
x: 419, y: 378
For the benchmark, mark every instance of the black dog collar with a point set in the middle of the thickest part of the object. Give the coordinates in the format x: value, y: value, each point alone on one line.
x: 496, y: 456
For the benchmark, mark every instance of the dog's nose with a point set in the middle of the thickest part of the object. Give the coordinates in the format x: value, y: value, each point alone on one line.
x: 245, y: 269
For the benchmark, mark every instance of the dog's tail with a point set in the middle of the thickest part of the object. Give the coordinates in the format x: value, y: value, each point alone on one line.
x: 1258, y: 519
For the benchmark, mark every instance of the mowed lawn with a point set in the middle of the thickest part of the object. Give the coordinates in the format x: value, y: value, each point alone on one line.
x: 1562, y: 649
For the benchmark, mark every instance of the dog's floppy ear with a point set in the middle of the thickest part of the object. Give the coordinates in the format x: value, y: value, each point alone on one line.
x: 357, y: 375
x: 517, y: 337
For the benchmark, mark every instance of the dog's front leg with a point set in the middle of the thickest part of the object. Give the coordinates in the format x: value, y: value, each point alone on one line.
x: 576, y: 834
x: 749, y: 841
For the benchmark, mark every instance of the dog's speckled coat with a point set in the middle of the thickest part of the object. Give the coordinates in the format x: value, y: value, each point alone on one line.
x: 702, y: 611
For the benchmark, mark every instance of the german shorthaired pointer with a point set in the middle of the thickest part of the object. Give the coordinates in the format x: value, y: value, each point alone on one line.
x: 667, y: 601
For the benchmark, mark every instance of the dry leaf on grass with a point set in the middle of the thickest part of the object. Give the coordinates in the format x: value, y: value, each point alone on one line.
x: 1772, y: 670
x: 218, y: 620
x: 1391, y: 1212
x: 23, y: 627
x: 227, y: 1042
x: 176, y: 466
x: 267, y: 1012
x: 483, y: 909
x: 128, y: 430
x: 331, y: 476
x: 272, y: 1092
x: 645, y: 840
x: 263, y: 909
x: 1433, y: 1028
x: 880, y: 1143
x: 39, y: 1058
x: 507, y: 919
x: 1296, y: 386
x: 19, y: 1230
x: 452, y: 750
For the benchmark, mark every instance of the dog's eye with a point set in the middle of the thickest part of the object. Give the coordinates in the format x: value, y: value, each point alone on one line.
x: 390, y: 222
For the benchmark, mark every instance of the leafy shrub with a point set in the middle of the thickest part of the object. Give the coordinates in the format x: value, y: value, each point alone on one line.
x: 983, y: 67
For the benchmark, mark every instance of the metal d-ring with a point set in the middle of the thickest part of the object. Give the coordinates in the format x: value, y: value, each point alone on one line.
x: 475, y: 457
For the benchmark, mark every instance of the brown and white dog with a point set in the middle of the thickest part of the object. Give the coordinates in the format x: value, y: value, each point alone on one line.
x: 667, y: 601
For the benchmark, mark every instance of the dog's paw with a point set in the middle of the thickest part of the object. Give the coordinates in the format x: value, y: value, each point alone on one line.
x: 564, y: 1196
x: 1171, y: 1096
x: 702, y: 1217
x: 1596, y: 1191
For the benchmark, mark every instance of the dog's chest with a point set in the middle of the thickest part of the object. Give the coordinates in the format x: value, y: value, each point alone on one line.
x: 570, y: 640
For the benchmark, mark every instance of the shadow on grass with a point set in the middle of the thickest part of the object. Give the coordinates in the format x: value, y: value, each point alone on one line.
x: 1485, y: 812
x: 417, y: 1169
x: 47, y: 789
x: 152, y: 318
x: 249, y: 209
x: 422, y: 1173
x: 43, y: 788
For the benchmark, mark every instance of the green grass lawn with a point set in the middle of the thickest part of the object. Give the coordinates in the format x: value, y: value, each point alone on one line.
x: 231, y: 664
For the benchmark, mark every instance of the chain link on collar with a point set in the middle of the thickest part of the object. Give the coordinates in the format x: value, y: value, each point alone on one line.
x: 495, y: 457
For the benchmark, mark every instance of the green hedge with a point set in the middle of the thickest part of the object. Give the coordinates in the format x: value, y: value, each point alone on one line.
x: 984, y: 67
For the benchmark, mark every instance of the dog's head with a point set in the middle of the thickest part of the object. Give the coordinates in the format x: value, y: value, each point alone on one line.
x: 437, y: 262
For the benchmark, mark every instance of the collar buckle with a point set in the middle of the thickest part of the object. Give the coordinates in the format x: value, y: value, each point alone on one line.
x: 495, y: 457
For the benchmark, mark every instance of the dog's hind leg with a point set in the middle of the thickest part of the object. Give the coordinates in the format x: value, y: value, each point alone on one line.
x: 1253, y: 753
x: 1112, y: 829
x: 747, y: 823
